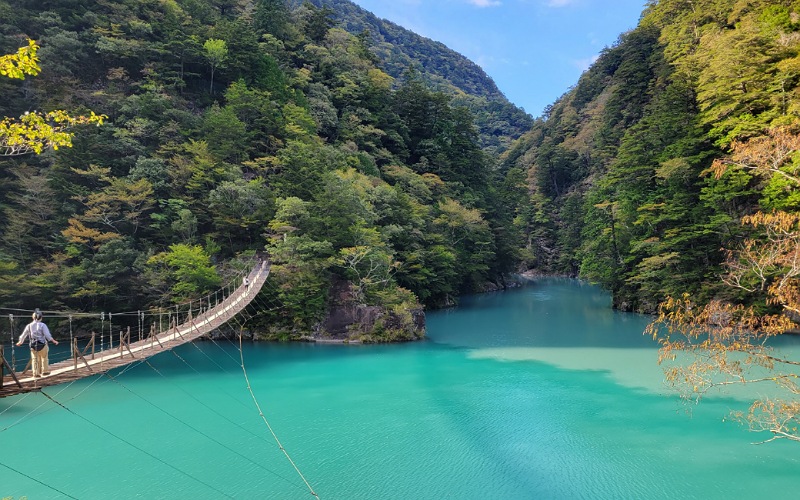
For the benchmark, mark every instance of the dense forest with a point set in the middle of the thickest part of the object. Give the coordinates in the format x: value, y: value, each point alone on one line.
x: 235, y: 127
x: 376, y: 167
x: 614, y: 183
x: 398, y: 50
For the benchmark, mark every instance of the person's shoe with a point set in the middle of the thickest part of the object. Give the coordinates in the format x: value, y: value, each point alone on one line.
x: 37, y: 376
x: 46, y: 373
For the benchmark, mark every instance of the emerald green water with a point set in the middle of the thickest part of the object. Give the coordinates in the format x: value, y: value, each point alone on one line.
x: 537, y: 393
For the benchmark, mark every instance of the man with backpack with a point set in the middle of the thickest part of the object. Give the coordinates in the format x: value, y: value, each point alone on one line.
x: 38, y: 335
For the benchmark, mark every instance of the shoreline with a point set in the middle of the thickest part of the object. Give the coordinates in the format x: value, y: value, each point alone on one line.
x: 328, y: 341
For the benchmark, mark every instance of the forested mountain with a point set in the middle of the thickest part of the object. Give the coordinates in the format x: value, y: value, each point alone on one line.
x: 614, y: 183
x: 347, y: 149
x: 235, y: 127
x: 400, y: 50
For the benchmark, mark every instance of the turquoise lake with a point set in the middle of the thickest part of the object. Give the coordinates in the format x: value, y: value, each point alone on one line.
x: 541, y: 392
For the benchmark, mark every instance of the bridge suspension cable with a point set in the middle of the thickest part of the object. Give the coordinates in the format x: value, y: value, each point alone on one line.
x: 114, y: 435
x: 266, y: 422
x: 38, y: 481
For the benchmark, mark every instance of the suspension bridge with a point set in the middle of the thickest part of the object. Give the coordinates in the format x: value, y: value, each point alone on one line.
x: 183, y: 326
x: 187, y: 322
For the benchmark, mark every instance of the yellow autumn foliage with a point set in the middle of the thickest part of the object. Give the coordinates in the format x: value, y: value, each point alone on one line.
x: 35, y: 131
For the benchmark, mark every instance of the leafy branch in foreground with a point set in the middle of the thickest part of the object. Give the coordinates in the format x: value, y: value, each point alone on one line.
x: 722, y: 344
x: 35, y: 131
x: 23, y: 62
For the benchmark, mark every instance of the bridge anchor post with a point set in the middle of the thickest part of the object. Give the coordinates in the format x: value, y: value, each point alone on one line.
x: 4, y: 364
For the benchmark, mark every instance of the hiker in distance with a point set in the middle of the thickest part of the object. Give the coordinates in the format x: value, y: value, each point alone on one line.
x: 38, y: 335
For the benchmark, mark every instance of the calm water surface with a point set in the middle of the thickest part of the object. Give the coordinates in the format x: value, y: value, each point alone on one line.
x: 537, y: 393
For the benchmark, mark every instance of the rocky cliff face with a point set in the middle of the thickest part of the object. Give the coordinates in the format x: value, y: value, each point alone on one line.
x: 348, y: 320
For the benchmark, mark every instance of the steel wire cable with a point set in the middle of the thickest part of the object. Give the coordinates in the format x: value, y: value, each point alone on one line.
x: 98, y: 378
x: 98, y: 426
x: 266, y: 422
x: 228, y: 420
x: 38, y: 481
x: 184, y: 423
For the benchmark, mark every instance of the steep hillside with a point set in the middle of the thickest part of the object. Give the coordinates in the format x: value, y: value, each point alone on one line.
x: 235, y: 128
x: 613, y: 184
x: 398, y: 50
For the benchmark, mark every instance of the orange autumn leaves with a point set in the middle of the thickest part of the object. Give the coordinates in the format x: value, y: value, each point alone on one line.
x: 723, y: 344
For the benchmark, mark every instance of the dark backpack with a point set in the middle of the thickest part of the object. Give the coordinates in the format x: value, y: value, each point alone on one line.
x: 37, y: 345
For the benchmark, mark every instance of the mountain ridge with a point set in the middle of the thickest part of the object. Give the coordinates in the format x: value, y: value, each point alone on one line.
x: 399, y: 49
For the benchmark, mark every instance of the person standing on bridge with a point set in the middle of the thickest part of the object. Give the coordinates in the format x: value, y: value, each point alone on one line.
x: 38, y: 335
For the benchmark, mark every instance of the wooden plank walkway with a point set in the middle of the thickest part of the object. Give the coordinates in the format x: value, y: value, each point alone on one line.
x: 121, y: 355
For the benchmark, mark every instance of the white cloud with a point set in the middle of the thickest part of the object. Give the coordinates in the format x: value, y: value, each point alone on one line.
x: 559, y: 3
x: 584, y: 64
x: 487, y: 3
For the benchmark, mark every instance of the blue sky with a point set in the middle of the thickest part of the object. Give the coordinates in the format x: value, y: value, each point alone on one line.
x: 533, y: 49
